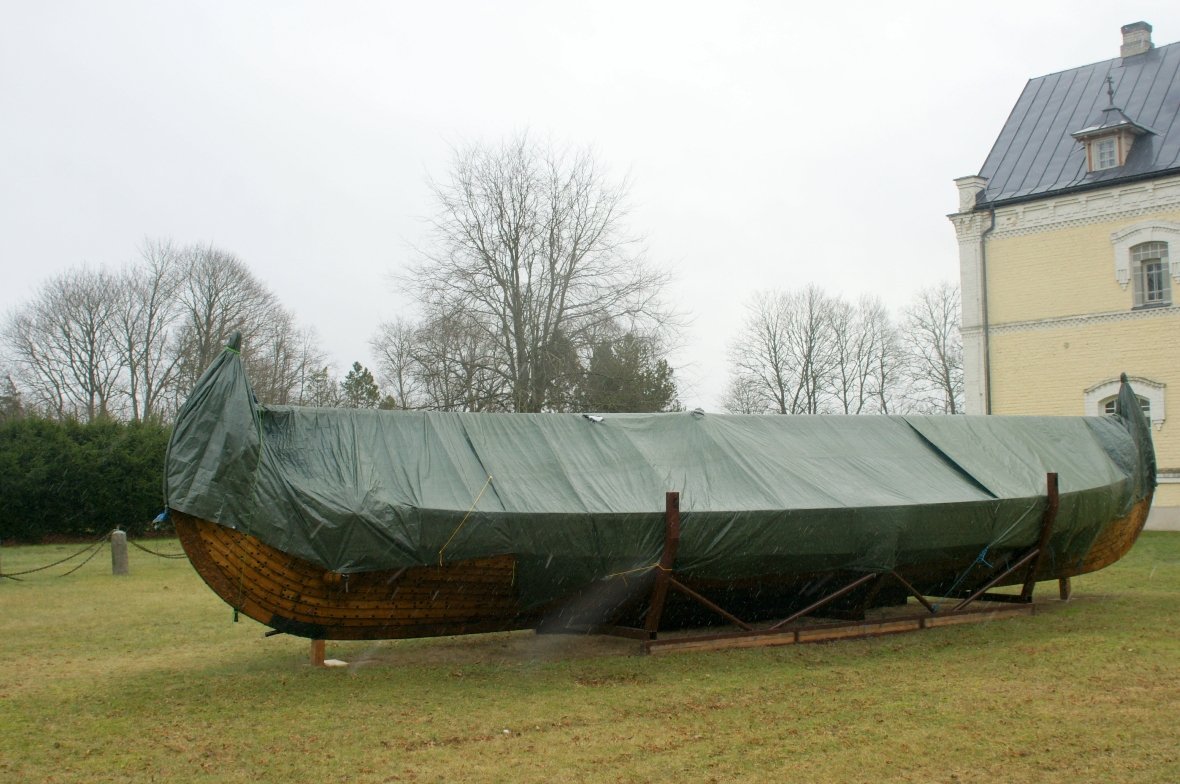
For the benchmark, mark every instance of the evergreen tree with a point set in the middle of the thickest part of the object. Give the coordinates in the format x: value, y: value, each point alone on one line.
x: 627, y: 375
x: 322, y: 390
x: 78, y: 480
x: 359, y: 389
x: 10, y: 401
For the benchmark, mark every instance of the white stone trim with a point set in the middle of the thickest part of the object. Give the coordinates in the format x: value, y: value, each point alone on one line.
x: 1118, y: 202
x: 1062, y: 322
x: 969, y: 188
x: 1145, y: 231
x: 970, y: 226
x: 1144, y: 387
x: 1168, y: 477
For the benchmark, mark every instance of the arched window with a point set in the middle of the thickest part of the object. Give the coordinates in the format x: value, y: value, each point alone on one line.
x: 1144, y: 404
x: 1150, y: 272
x: 1100, y: 398
x: 1146, y: 241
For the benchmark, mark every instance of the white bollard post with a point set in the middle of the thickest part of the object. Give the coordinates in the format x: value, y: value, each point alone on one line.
x: 119, y: 561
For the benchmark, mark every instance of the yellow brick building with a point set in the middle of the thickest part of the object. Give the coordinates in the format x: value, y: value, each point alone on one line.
x: 1065, y: 244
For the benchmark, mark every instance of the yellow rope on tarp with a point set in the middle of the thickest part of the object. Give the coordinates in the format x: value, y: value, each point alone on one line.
x: 656, y: 565
x: 464, y: 520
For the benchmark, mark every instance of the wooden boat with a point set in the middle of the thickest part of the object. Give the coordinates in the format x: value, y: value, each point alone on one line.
x: 348, y: 525
x: 297, y: 597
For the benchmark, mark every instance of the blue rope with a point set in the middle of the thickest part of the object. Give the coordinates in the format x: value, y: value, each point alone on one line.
x: 982, y: 559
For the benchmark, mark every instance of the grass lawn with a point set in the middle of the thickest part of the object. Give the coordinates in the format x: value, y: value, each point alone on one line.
x: 145, y: 678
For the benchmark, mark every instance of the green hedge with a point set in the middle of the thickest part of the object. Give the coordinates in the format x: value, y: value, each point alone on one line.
x: 74, y: 480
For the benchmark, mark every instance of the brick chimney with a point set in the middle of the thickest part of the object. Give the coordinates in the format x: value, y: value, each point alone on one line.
x: 1136, y: 39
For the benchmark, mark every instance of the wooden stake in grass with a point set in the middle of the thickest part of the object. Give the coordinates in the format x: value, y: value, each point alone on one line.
x: 317, y: 653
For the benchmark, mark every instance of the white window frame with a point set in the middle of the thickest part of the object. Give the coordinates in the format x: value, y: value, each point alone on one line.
x: 1109, y: 403
x: 1100, y: 147
x: 1137, y: 234
x: 1139, y: 275
x: 1152, y: 391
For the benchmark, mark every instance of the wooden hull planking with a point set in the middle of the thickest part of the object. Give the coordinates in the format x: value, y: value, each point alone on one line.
x: 297, y: 597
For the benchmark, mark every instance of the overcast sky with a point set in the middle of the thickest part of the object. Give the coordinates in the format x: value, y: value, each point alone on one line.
x: 769, y: 144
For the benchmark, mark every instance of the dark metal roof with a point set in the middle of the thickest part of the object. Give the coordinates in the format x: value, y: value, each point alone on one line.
x: 1035, y: 155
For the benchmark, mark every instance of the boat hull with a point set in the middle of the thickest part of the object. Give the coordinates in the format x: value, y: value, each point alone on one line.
x: 295, y: 596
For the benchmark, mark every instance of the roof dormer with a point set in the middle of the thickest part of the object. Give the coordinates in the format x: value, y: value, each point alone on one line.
x: 1109, y: 142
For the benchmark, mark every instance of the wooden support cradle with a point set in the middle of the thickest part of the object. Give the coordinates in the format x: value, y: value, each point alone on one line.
x: 780, y: 633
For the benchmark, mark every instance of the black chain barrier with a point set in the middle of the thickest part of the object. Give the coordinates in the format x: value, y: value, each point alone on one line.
x: 84, y: 550
x: 153, y: 552
x: 96, y: 547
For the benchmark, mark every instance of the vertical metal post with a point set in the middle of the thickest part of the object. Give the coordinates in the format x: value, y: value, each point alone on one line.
x: 119, y: 561
x: 1064, y: 589
x: 1030, y: 581
x: 659, y: 590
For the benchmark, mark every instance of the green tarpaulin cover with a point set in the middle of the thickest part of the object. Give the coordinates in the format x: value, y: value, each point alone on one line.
x: 576, y: 500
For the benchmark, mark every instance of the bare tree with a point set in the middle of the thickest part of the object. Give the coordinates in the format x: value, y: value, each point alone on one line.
x: 281, y: 358
x: 457, y: 366
x: 887, y: 361
x: 221, y: 295
x: 91, y: 343
x: 743, y: 396
x: 930, y: 331
x: 812, y: 345
x: 528, y: 243
x: 852, y: 349
x: 395, y: 345
x: 866, y: 357
x: 763, y: 367
x: 63, y: 345
x: 310, y: 359
x: 143, y: 324
x: 785, y: 351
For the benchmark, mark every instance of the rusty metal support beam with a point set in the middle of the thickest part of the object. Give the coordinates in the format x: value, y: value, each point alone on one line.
x: 813, y: 607
x: 1031, y: 559
x: 913, y: 592
x: 992, y: 582
x: 659, y: 591
x: 674, y: 583
x: 1054, y: 500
